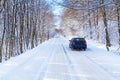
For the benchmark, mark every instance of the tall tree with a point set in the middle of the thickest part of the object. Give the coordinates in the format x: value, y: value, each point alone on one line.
x: 117, y: 3
x: 103, y: 11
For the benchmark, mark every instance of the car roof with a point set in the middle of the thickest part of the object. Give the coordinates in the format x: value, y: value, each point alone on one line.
x: 82, y: 39
x: 78, y: 38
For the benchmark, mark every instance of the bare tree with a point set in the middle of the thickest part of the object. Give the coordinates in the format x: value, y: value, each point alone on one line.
x: 92, y: 12
x: 24, y: 24
x: 117, y: 3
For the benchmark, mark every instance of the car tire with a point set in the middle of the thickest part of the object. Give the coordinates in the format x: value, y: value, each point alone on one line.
x: 69, y: 46
x: 72, y: 48
x: 84, y: 49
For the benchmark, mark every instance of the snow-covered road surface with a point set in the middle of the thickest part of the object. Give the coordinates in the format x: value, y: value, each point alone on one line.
x: 54, y: 60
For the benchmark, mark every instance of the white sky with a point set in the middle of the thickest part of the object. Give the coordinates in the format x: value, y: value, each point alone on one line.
x: 57, y: 11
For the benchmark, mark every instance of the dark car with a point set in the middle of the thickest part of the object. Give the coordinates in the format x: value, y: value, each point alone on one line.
x: 78, y: 43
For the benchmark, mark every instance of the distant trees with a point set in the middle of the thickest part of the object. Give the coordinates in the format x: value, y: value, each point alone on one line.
x: 96, y: 18
x: 24, y: 24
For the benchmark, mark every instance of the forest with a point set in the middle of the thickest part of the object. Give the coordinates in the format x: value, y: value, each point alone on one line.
x: 24, y: 24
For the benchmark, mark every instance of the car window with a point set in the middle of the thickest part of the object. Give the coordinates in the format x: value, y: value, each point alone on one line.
x: 79, y: 39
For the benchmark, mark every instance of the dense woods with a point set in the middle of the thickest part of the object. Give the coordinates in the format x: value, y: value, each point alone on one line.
x: 23, y: 25
x: 94, y: 19
x: 26, y: 23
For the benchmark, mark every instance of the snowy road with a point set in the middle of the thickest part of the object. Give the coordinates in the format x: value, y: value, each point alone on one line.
x: 54, y: 60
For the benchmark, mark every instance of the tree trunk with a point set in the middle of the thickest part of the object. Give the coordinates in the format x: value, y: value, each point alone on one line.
x: 118, y: 18
x: 108, y: 44
x: 21, y: 29
x: 1, y: 43
x: 89, y: 20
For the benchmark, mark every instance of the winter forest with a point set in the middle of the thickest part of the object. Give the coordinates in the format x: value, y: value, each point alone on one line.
x: 24, y: 24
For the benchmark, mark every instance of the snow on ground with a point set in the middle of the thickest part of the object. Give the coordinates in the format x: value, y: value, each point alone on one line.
x: 54, y: 60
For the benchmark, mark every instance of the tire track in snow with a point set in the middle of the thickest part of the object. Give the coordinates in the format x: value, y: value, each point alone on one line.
x: 101, y: 67
x: 42, y: 71
x: 30, y: 57
x: 71, y: 67
x: 96, y: 64
x: 21, y: 63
